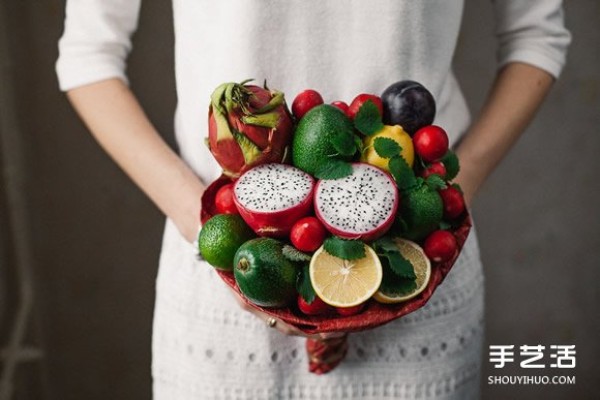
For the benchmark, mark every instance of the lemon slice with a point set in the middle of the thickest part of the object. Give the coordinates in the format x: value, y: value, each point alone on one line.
x: 387, y: 293
x: 345, y: 283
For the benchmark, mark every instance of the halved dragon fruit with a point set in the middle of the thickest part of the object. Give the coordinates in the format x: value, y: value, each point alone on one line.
x: 359, y: 206
x: 272, y: 197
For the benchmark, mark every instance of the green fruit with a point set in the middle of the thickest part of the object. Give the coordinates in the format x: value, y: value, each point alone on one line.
x: 220, y: 238
x: 421, y: 212
x: 312, y: 139
x: 264, y: 275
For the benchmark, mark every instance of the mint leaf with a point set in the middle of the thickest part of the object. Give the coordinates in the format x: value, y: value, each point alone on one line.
x: 393, y: 285
x: 445, y: 225
x: 333, y: 169
x: 304, y: 286
x: 343, y: 142
x: 368, y: 120
x: 358, y: 143
x: 402, y: 173
x: 400, y: 265
x: 386, y: 147
x: 435, y: 182
x: 293, y: 254
x: 344, y: 249
x: 450, y: 161
x: 390, y: 255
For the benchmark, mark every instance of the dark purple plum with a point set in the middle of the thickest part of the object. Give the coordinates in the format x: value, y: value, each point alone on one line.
x: 408, y: 104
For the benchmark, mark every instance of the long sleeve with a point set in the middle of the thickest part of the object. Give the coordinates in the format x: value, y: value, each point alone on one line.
x: 96, y: 41
x: 532, y: 32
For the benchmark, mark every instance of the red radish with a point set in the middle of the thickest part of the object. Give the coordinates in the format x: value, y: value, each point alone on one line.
x: 360, y: 206
x: 317, y: 306
x: 454, y: 202
x: 431, y: 143
x: 272, y: 197
x: 341, y: 105
x: 437, y: 168
x: 308, y: 234
x: 305, y: 101
x: 224, y: 200
x: 349, y: 311
x: 362, y: 99
x: 440, y: 246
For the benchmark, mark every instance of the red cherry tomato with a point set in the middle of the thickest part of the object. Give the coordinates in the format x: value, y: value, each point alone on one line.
x: 308, y: 234
x: 454, y: 202
x: 224, y: 200
x: 305, y: 101
x: 362, y: 99
x: 342, y: 106
x: 317, y: 306
x: 440, y: 246
x: 431, y: 143
x: 437, y: 168
x: 348, y: 311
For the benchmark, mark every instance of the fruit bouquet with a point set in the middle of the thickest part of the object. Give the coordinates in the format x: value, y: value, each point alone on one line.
x: 336, y: 217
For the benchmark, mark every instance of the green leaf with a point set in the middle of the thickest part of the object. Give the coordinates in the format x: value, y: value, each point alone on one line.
x: 304, y: 286
x: 457, y: 187
x: 368, y: 119
x: 435, y: 182
x: 333, y: 169
x: 386, y: 147
x: 293, y: 254
x: 400, y: 265
x: 402, y: 173
x: 345, y: 249
x: 343, y: 143
x: 389, y: 253
x: 358, y: 143
x: 445, y: 225
x: 450, y: 161
x: 393, y: 284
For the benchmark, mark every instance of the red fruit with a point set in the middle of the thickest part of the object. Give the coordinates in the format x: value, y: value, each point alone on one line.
x: 308, y: 234
x: 431, y: 143
x: 224, y: 200
x: 360, y: 100
x: 260, y: 117
x: 440, y: 246
x: 341, y: 105
x: 348, y: 311
x: 305, y: 101
x: 317, y: 307
x: 454, y: 202
x: 272, y: 197
x: 437, y: 168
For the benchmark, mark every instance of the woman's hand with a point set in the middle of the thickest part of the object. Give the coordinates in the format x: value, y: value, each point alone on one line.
x: 281, y: 326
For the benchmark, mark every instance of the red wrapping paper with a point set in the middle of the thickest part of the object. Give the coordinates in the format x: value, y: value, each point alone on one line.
x: 375, y: 314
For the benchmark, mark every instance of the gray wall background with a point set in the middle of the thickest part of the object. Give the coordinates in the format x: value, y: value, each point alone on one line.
x: 95, y: 237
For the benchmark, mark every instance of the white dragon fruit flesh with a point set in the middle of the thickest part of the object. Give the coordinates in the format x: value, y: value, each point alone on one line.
x: 272, y: 197
x: 360, y: 206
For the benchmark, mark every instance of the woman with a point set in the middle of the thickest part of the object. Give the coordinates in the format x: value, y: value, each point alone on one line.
x: 204, y: 345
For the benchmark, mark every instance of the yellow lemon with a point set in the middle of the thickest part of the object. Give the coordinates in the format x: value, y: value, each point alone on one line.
x: 345, y: 283
x: 397, y: 134
x: 389, y: 292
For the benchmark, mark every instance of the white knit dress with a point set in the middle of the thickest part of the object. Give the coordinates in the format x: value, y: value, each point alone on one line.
x: 204, y: 345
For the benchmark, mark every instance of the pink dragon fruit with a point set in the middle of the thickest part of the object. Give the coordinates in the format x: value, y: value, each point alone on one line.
x: 359, y: 206
x: 247, y: 126
x: 272, y: 197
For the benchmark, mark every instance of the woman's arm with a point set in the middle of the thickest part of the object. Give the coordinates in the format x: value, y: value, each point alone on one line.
x: 115, y: 118
x: 518, y: 91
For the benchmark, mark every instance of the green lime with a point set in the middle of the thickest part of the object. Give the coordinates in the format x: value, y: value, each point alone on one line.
x: 421, y: 212
x: 264, y: 275
x: 312, y: 139
x: 220, y: 238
